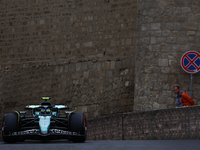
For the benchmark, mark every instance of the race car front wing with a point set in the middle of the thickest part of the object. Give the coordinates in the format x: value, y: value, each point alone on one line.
x: 50, y: 133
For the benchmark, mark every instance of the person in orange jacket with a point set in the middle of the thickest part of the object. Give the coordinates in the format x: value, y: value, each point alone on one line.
x: 183, y: 99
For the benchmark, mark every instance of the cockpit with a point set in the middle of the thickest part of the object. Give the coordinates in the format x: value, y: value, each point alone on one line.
x: 46, y: 108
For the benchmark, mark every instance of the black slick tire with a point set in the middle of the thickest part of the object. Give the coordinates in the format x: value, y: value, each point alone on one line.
x: 78, y: 124
x: 10, y: 124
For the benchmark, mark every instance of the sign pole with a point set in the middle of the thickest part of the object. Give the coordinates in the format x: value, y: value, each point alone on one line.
x: 191, y: 85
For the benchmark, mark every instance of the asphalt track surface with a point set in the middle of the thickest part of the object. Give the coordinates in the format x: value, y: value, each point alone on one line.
x: 106, y: 145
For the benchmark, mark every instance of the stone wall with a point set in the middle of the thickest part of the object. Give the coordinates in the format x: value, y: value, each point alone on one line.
x: 100, y: 57
x: 166, y: 29
x: 82, y: 53
x: 166, y: 124
x: 79, y: 52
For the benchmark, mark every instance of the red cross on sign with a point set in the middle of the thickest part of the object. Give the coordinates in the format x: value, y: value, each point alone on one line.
x: 190, y: 62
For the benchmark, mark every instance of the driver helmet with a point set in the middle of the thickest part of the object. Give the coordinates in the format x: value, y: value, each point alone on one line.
x: 42, y: 110
x: 48, y: 110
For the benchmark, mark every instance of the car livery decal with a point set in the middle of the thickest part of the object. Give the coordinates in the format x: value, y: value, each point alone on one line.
x: 57, y: 131
x: 51, y: 132
x: 26, y: 132
x: 44, y: 122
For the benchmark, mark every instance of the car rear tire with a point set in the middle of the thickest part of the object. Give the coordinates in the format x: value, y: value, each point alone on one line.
x: 78, y: 124
x: 10, y: 124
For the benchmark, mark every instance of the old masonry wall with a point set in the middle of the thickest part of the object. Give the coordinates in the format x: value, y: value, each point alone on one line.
x: 80, y: 53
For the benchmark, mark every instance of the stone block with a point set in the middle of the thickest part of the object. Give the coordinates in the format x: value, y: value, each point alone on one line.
x: 190, y: 26
x: 90, y: 18
x: 162, y: 78
x: 127, y: 83
x: 161, y: 39
x: 144, y: 27
x: 109, y: 73
x: 153, y: 40
x: 156, y: 33
x: 148, y: 107
x: 155, y: 26
x: 124, y: 72
x: 169, y: 26
x: 155, y: 105
x: 76, y: 75
x: 163, y: 106
x: 167, y: 93
x: 89, y: 64
x: 78, y: 66
x: 164, y: 18
x: 100, y: 55
x: 77, y: 45
x: 122, y: 102
x: 113, y: 43
x: 151, y: 77
x: 84, y: 109
x: 171, y: 40
x: 61, y: 69
x: 182, y: 40
x: 86, y: 74
x: 189, y: 33
x: 113, y: 104
x: 144, y: 40
x: 118, y: 64
x: 66, y: 68
x: 98, y: 66
x: 170, y: 100
x: 42, y: 21
x: 94, y: 66
x: 165, y: 70
x: 128, y: 41
x: 107, y: 65
x: 175, y: 33
x: 78, y: 109
x: 56, y: 69
x: 71, y: 67
x: 91, y: 56
x: 88, y: 44
x: 186, y: 10
x: 177, y: 26
x: 191, y: 39
x: 166, y: 33
x: 126, y: 63
x: 115, y: 72
x: 112, y: 65
x: 163, y: 3
x: 163, y: 62
x: 84, y: 65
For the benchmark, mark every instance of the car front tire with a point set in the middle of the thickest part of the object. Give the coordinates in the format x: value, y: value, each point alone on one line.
x: 10, y: 124
x: 78, y: 124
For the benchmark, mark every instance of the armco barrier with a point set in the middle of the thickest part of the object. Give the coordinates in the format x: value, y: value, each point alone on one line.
x: 168, y: 124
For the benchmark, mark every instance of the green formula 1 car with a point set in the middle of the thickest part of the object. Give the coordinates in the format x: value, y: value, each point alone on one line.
x: 45, y: 123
